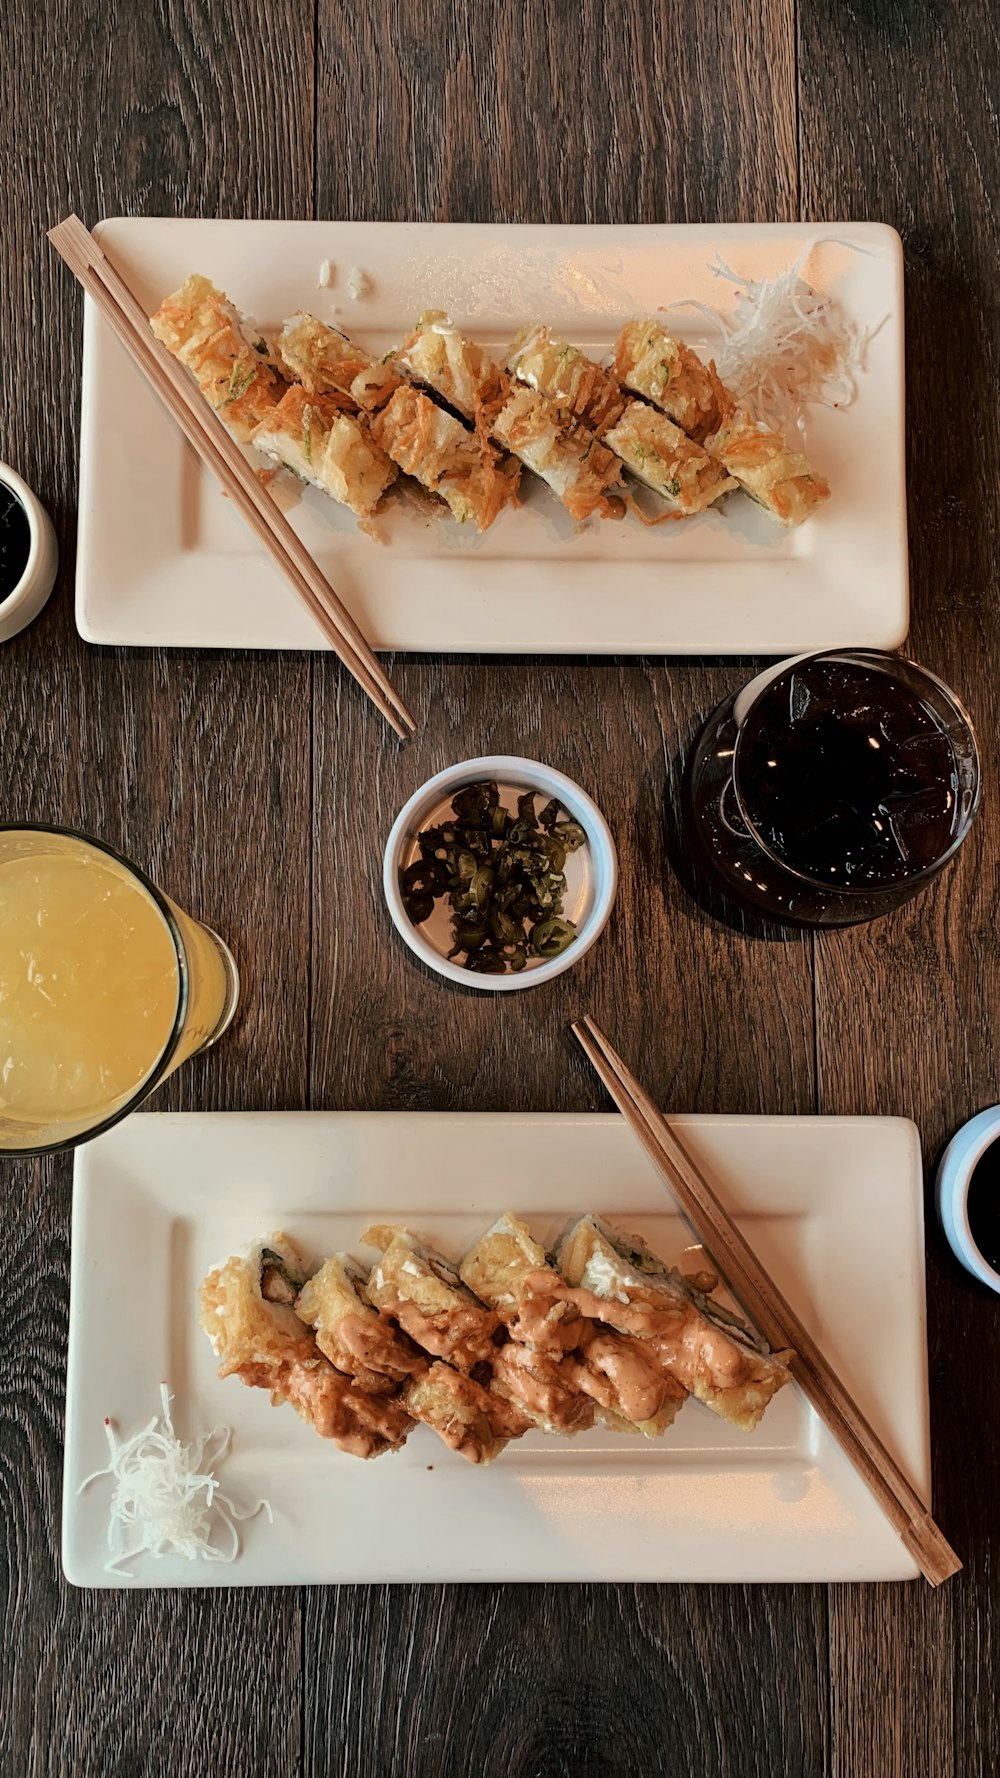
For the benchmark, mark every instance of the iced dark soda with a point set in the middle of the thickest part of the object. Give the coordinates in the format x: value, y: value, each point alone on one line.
x: 851, y: 777
x: 847, y: 775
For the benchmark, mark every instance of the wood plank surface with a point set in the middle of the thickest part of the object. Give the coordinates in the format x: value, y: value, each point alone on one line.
x: 898, y: 123
x: 259, y: 791
x: 197, y: 765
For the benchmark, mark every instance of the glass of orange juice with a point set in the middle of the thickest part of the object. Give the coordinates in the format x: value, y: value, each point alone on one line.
x: 105, y: 987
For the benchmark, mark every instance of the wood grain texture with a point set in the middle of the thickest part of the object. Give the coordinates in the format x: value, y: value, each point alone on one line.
x: 567, y: 1682
x: 905, y: 131
x: 557, y: 111
x: 196, y: 765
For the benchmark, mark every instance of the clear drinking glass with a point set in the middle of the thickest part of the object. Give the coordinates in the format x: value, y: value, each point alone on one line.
x: 106, y: 987
x: 833, y: 786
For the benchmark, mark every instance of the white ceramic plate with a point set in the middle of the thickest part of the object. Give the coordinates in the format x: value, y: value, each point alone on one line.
x: 164, y: 560
x: 834, y: 1207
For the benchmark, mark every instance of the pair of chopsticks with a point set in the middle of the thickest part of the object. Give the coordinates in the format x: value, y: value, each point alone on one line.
x: 206, y: 433
x: 768, y: 1309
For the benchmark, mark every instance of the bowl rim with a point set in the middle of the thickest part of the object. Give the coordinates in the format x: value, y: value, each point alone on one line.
x: 30, y: 503
x: 505, y: 767
x: 954, y: 1176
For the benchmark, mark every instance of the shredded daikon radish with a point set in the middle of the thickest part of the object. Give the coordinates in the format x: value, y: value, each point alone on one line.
x: 166, y: 1498
x: 784, y: 345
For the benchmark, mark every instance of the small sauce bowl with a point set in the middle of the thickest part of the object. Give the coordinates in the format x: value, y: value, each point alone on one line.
x: 591, y: 872
x: 954, y: 1176
x: 25, y: 600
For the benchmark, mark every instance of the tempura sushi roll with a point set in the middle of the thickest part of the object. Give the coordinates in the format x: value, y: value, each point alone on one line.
x: 574, y: 464
x: 226, y: 353
x: 650, y: 361
x: 631, y: 1390
x: 500, y: 1269
x: 778, y: 479
x: 452, y: 366
x: 664, y: 459
x: 424, y: 1294
x: 704, y: 1346
x: 351, y: 1333
x: 326, y: 362
x: 466, y: 1415
x: 445, y: 457
x: 568, y: 377
x: 332, y: 449
x: 544, y: 1390
x: 247, y: 1314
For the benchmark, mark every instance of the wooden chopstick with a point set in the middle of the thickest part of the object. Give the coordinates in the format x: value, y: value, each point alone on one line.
x: 769, y: 1310
x: 219, y: 452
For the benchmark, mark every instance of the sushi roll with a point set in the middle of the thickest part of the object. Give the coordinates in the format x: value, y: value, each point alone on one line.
x: 618, y: 1280
x: 227, y: 354
x: 631, y: 1391
x: 445, y: 457
x: 648, y: 360
x: 420, y: 1290
x: 326, y: 362
x: 246, y: 1311
x: 465, y: 1414
x: 351, y: 1333
x: 501, y: 1268
x: 333, y: 450
x: 453, y: 367
x: 559, y: 1366
x: 574, y: 464
x: 664, y: 459
x: 568, y: 377
x: 778, y: 479
x: 543, y: 1389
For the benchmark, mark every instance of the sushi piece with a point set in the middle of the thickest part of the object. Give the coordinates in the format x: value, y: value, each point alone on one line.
x: 571, y: 379
x: 465, y: 1414
x: 617, y: 1279
x: 311, y: 435
x: 557, y: 1356
x: 453, y: 367
x: 445, y: 457
x: 227, y: 354
x: 574, y: 464
x: 631, y: 1390
x: 423, y: 1292
x: 247, y: 1313
x: 648, y: 360
x: 326, y: 362
x: 778, y: 479
x: 663, y: 458
x: 500, y: 1270
x: 544, y: 1390
x: 350, y: 1331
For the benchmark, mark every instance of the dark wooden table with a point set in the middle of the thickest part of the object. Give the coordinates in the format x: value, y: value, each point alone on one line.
x: 257, y: 788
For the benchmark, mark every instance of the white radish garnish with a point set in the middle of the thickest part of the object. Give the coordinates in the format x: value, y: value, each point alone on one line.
x: 167, y: 1499
x: 784, y: 345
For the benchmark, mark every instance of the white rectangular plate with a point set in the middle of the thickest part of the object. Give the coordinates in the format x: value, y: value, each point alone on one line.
x: 833, y: 1206
x: 164, y: 560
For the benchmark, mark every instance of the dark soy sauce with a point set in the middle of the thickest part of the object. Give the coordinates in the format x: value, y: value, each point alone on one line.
x: 984, y: 1204
x: 847, y: 776
x: 15, y: 540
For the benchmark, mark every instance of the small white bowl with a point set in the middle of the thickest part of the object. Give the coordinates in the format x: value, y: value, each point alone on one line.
x: 958, y: 1163
x: 23, y: 604
x: 591, y: 872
